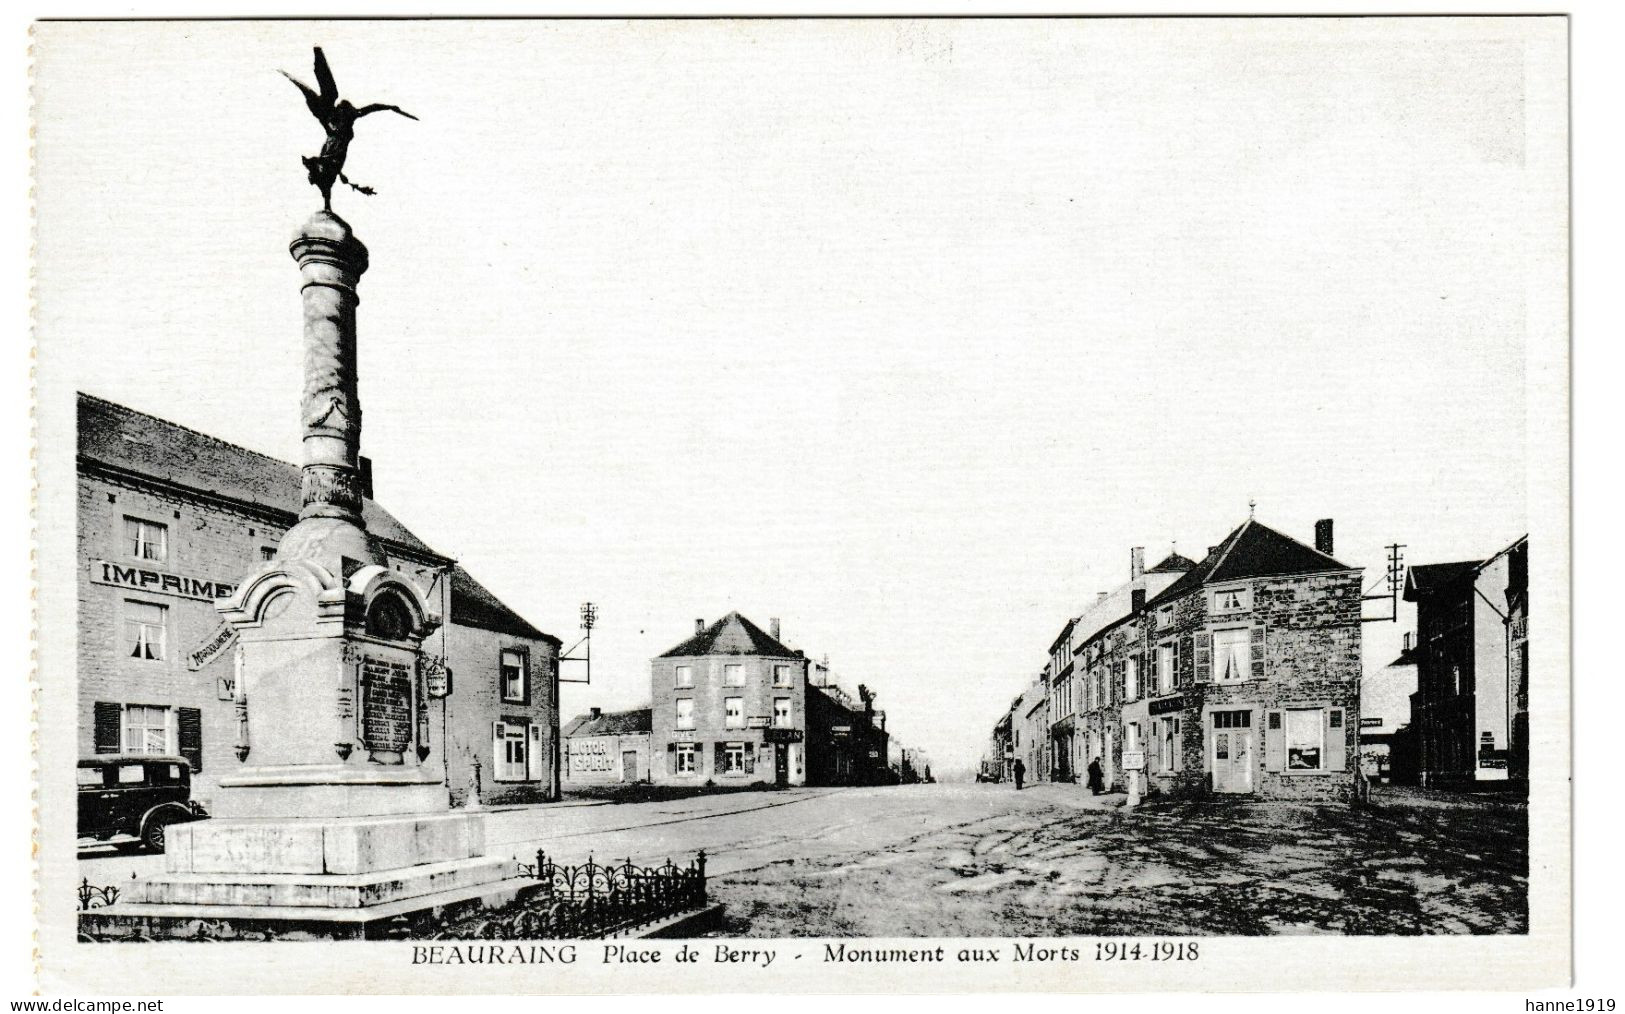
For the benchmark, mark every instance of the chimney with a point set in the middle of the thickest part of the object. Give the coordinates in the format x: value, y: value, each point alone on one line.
x: 699, y: 627
x: 1323, y: 536
x: 365, y: 477
x: 1137, y: 600
x: 597, y: 712
x: 1407, y: 640
x: 773, y: 627
x: 1100, y: 597
x: 1136, y: 563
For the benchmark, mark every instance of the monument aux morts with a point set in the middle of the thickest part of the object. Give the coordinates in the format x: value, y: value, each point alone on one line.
x: 333, y: 823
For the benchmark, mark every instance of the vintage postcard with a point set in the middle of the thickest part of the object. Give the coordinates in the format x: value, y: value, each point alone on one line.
x: 842, y: 504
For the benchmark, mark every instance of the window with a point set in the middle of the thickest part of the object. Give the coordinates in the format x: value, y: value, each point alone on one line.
x: 733, y: 675
x: 1165, y: 616
x: 90, y: 776
x: 515, y: 666
x: 1232, y: 600
x: 1169, y: 744
x: 146, y: 540
x: 131, y: 774
x: 1131, y: 680
x: 733, y: 759
x: 1167, y: 668
x: 685, y: 675
x: 686, y: 759
x: 145, y: 624
x: 685, y: 712
x: 781, y: 712
x: 1232, y: 719
x: 146, y: 729
x: 733, y: 712
x: 1231, y: 659
x: 781, y: 676
x: 267, y: 554
x: 1305, y: 739
x: 512, y: 760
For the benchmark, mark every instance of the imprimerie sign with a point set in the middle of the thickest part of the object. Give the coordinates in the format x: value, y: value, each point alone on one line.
x: 158, y: 582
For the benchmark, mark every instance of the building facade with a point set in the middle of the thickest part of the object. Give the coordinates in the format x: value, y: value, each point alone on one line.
x: 1470, y: 710
x: 602, y: 748
x: 1385, y: 712
x: 169, y: 519
x: 1238, y: 674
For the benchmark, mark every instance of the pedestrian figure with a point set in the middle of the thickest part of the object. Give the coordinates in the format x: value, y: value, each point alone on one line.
x: 1021, y: 772
x: 1097, y: 777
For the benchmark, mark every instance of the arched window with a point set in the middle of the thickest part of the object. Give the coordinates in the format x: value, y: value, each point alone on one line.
x: 389, y: 618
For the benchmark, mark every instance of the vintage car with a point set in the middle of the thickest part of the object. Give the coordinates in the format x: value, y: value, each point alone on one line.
x: 126, y: 798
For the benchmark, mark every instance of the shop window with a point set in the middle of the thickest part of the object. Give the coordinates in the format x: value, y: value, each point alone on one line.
x: 146, y: 540
x: 733, y: 759
x: 685, y: 713
x: 515, y: 675
x: 685, y: 675
x: 147, y: 729
x: 1305, y: 739
x: 1232, y: 659
x: 145, y: 629
x: 781, y: 712
x: 733, y: 675
x: 686, y: 759
x: 733, y: 712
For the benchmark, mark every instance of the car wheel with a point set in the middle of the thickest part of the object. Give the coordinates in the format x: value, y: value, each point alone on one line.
x: 153, y: 835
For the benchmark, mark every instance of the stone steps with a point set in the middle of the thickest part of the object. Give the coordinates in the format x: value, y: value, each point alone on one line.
x: 331, y: 891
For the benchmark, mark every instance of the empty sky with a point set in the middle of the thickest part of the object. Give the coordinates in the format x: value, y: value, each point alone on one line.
x: 903, y: 332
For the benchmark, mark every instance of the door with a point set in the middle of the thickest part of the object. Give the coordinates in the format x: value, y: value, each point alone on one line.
x: 1232, y: 758
x: 629, y: 766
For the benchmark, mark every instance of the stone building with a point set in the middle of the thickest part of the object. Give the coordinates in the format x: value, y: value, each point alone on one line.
x: 170, y: 519
x: 1236, y: 674
x: 604, y: 747
x: 1470, y: 710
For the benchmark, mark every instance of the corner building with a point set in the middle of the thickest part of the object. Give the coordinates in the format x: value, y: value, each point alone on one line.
x: 729, y: 706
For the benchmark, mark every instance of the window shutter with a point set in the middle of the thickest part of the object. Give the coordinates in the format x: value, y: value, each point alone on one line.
x: 1204, y: 657
x: 750, y: 758
x: 1258, y: 652
x: 497, y: 729
x: 1337, y: 746
x: 109, y: 726
x: 671, y: 758
x: 1179, y: 745
x: 533, y: 754
x: 1274, y: 741
x: 1182, y: 652
x: 189, y: 731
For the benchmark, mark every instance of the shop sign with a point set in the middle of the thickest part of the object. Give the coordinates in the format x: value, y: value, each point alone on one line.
x: 771, y: 735
x: 758, y: 722
x: 1166, y: 705
x: 224, y: 637
x: 1370, y: 723
x: 158, y: 582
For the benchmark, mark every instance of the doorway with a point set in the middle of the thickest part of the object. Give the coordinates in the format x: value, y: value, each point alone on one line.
x: 1232, y: 759
x: 781, y: 765
x: 629, y: 766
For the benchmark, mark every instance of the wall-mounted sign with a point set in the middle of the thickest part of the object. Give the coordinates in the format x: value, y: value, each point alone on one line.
x: 1133, y: 760
x: 1370, y: 723
x: 224, y: 637
x: 1166, y: 705
x: 158, y: 582
x: 781, y: 735
x: 436, y: 677
x: 386, y: 715
x: 758, y: 722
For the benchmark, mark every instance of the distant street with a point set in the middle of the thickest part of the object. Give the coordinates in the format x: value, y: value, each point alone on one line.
x: 1052, y: 860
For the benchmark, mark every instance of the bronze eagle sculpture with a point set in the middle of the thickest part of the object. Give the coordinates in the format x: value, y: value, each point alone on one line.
x: 337, y: 116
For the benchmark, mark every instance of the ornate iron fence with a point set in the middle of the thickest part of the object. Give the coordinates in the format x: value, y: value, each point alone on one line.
x: 91, y: 896
x: 588, y: 901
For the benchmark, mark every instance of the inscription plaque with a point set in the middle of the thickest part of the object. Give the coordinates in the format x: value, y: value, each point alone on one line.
x: 386, y: 697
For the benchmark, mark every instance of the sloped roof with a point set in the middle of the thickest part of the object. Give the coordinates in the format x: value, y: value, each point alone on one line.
x: 611, y: 723
x: 473, y: 605
x: 731, y: 635
x: 1173, y: 563
x: 1252, y: 550
x: 1430, y: 578
x: 123, y: 438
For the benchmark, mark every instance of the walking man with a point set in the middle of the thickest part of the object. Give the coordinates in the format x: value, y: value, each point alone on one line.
x: 1097, y: 777
x: 1021, y: 773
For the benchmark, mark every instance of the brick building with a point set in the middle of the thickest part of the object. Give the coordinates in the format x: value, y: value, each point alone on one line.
x: 1236, y: 674
x: 1470, y: 711
x: 169, y: 519
x: 604, y: 747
